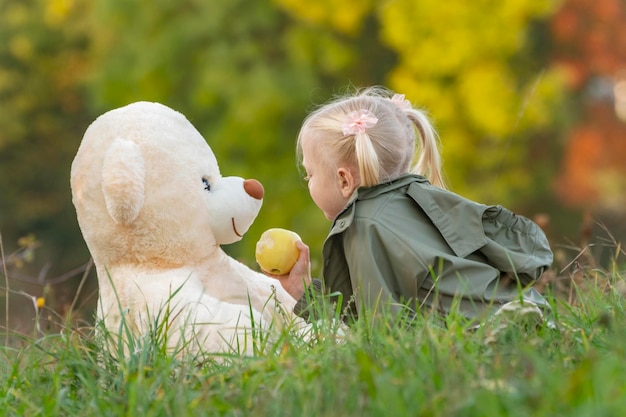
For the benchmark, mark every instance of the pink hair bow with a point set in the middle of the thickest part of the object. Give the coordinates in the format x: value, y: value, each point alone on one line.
x: 358, y: 121
x: 401, y: 102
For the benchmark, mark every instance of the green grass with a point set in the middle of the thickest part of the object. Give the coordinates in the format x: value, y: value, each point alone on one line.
x: 380, y: 368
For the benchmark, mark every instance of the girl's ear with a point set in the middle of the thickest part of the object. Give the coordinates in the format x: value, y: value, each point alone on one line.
x: 347, y: 182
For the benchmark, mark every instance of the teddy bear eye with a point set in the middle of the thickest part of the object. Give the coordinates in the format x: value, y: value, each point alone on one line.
x: 207, y: 186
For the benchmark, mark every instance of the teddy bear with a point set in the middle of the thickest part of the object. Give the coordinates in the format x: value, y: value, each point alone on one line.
x: 154, y: 211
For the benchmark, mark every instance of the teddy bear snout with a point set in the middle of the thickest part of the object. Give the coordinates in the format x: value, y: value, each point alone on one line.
x: 254, y: 189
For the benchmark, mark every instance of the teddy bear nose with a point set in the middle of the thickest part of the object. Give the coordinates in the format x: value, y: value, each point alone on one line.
x: 254, y: 189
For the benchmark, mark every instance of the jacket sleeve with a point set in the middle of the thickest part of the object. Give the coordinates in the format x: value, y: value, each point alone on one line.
x: 305, y: 305
x: 515, y: 244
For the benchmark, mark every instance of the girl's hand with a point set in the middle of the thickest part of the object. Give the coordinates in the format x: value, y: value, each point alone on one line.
x: 299, y: 277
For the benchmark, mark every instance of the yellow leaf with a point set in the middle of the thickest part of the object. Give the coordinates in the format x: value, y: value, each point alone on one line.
x: 487, y: 95
x: 57, y: 11
x: 21, y: 47
x: 345, y: 16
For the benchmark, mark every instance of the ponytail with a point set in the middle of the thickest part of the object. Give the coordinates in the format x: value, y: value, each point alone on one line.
x: 367, y: 160
x: 429, y: 162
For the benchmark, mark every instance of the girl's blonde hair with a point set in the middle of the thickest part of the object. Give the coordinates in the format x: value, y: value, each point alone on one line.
x: 381, y: 152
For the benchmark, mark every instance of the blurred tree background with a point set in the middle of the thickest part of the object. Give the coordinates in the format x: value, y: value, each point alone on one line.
x: 529, y: 98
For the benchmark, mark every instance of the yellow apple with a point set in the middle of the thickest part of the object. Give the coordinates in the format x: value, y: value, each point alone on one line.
x: 276, y: 251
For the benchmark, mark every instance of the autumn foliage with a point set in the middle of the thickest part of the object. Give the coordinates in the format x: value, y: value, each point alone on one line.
x: 590, y: 48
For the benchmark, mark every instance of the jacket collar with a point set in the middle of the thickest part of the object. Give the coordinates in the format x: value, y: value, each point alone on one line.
x: 346, y: 215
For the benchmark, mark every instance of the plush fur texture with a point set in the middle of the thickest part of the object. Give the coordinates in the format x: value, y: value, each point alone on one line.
x: 154, y: 210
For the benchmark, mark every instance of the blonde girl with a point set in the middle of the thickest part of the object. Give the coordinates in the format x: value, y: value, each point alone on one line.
x: 398, y: 237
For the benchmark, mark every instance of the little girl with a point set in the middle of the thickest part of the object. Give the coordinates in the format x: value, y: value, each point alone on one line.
x: 398, y: 238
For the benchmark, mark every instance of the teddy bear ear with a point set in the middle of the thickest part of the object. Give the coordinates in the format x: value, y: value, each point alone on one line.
x: 123, y: 175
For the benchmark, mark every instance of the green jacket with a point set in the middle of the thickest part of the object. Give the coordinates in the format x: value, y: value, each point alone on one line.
x: 418, y: 246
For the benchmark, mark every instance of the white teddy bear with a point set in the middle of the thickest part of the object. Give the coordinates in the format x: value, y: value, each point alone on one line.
x: 154, y: 210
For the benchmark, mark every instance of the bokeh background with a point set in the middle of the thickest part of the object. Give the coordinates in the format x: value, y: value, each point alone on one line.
x: 528, y: 96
